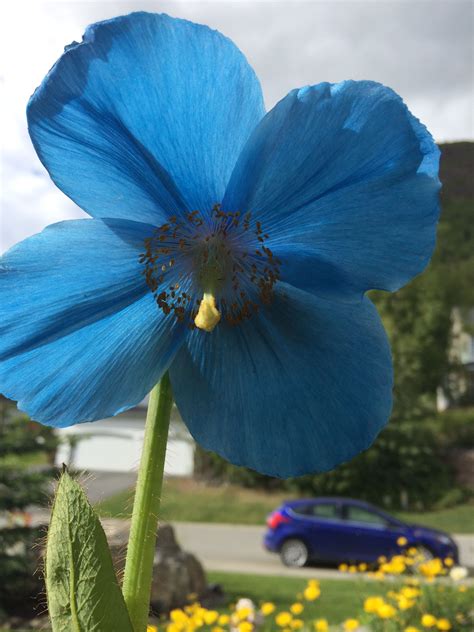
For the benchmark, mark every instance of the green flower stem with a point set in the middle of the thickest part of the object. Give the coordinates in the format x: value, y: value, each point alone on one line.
x: 141, y: 544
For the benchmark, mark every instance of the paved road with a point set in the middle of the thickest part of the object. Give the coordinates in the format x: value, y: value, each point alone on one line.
x: 239, y: 548
x: 223, y: 547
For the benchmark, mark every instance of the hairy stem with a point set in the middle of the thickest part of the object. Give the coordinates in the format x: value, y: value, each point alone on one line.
x: 141, y: 544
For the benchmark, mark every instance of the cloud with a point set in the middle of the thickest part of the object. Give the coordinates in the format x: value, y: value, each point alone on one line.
x: 423, y: 49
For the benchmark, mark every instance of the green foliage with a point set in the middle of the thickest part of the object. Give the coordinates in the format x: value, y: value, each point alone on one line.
x: 22, y: 444
x: 211, y: 468
x: 20, y: 435
x: 418, y: 322
x: 83, y: 592
x: 19, y: 557
x: 406, y: 467
x: 454, y: 428
x: 403, y: 469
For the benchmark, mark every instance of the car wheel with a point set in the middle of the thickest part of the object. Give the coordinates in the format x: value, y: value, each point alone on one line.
x: 425, y: 552
x: 294, y: 553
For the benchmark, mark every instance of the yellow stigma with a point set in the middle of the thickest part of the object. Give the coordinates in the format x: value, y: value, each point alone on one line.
x: 208, y: 315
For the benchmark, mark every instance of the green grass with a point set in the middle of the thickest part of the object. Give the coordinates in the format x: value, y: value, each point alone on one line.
x: 188, y: 501
x: 26, y: 460
x: 185, y: 500
x: 458, y: 519
x: 339, y: 599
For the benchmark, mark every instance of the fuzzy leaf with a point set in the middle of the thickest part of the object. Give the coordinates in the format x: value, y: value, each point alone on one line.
x: 83, y: 592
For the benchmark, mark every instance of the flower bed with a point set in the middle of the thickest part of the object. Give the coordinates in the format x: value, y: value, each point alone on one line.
x: 419, y: 595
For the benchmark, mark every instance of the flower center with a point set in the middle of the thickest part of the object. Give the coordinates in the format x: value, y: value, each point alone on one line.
x: 204, y: 268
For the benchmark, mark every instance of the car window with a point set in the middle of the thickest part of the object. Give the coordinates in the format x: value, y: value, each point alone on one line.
x: 302, y: 510
x: 325, y: 510
x: 358, y: 514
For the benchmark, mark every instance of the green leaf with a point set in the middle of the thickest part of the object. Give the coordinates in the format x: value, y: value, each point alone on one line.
x: 83, y: 592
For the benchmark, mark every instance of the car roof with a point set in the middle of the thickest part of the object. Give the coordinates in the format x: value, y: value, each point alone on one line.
x: 321, y: 500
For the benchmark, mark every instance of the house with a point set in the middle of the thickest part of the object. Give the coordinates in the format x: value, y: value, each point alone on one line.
x: 115, y: 444
x: 458, y: 386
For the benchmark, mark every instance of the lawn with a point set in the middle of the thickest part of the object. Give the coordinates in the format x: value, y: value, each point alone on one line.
x: 458, y: 519
x: 339, y: 599
x: 187, y: 500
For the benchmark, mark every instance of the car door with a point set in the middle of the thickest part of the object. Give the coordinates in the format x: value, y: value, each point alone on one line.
x: 323, y: 522
x: 368, y: 534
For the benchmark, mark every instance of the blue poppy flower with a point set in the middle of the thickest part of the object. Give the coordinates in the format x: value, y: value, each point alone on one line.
x: 230, y: 246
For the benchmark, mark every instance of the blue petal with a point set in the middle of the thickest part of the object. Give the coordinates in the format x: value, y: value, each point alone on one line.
x: 80, y: 335
x: 299, y: 389
x: 144, y: 107
x: 345, y: 181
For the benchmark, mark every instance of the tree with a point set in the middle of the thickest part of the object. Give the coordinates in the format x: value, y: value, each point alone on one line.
x: 26, y: 452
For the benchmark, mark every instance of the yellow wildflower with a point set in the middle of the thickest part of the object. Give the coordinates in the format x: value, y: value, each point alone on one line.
x: 411, y: 628
x: 151, y: 628
x: 296, y: 624
x: 428, y: 621
x: 386, y: 611
x: 178, y: 616
x: 402, y: 541
x: 343, y: 567
x: 443, y: 624
x: 409, y: 592
x: 223, y: 619
x: 362, y: 567
x: 245, y: 626
x: 321, y: 625
x: 217, y: 628
x: 297, y: 608
x: 372, y: 604
x: 243, y: 613
x: 210, y: 617
x: 404, y: 603
x: 352, y: 568
x: 283, y: 619
x: 312, y: 592
x: 267, y: 608
x: 432, y: 568
x: 350, y: 624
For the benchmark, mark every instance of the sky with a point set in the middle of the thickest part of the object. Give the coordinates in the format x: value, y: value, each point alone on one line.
x: 423, y: 49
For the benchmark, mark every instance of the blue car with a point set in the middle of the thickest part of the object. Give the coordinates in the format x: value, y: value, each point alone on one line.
x: 346, y: 530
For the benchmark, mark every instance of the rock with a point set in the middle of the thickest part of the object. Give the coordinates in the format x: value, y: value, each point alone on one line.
x: 178, y: 576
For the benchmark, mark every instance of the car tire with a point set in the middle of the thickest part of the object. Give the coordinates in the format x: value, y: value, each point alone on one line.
x: 427, y: 556
x: 294, y: 553
x: 425, y: 551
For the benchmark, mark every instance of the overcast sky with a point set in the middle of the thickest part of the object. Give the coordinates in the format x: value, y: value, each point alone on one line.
x: 423, y: 49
